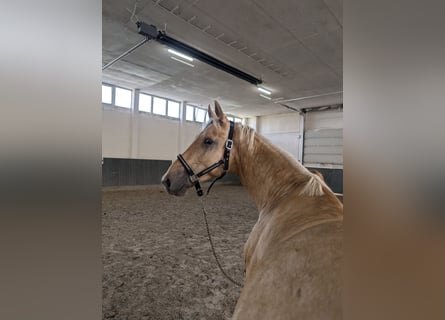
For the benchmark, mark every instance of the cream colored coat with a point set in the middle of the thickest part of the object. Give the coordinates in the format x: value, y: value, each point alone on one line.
x: 293, y: 254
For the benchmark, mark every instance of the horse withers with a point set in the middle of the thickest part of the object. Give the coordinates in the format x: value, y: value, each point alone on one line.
x: 293, y: 253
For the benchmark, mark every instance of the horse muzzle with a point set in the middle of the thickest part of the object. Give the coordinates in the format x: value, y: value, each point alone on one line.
x: 176, y: 182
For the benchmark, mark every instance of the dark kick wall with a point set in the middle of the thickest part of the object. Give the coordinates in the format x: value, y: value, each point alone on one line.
x: 133, y: 172
x: 136, y: 172
x: 332, y: 177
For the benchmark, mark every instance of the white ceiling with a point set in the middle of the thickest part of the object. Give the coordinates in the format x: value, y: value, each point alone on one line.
x: 294, y: 46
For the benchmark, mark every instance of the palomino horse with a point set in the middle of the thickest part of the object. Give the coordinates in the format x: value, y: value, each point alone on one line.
x: 293, y: 254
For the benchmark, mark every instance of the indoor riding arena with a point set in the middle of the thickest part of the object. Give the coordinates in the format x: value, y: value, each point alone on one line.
x: 272, y: 66
x: 158, y: 263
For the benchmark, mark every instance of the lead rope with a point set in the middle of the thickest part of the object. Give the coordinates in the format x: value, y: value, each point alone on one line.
x: 211, y: 242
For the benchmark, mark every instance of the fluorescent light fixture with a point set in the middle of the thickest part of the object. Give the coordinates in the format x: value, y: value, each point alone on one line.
x: 265, y: 97
x: 179, y: 54
x: 179, y: 60
x: 151, y: 32
x: 263, y: 90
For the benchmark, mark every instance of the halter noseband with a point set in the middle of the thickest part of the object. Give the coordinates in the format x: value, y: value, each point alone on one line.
x: 194, y: 178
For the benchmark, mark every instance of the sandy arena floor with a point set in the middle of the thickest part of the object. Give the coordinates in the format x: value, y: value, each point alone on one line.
x: 156, y: 255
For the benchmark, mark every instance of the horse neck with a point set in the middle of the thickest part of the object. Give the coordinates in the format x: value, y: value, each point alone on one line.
x: 265, y: 171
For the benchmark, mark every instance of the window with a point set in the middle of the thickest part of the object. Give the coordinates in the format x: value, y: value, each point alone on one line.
x: 173, y: 109
x: 196, y: 114
x: 189, y: 113
x: 107, y: 94
x: 159, y: 106
x: 230, y: 118
x: 238, y: 120
x: 122, y: 98
x: 200, y: 115
x: 144, y: 102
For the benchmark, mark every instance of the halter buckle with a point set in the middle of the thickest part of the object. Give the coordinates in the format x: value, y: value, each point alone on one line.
x: 193, y: 178
x: 229, y: 144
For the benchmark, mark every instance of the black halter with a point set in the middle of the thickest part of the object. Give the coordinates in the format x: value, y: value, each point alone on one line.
x: 194, y: 178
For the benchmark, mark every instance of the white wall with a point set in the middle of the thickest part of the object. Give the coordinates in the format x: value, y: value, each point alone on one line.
x: 251, y: 122
x: 116, y: 134
x: 283, y: 130
x: 133, y: 135
x: 127, y: 134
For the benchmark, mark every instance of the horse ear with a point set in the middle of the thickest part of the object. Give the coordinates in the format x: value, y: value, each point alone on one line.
x: 219, y: 112
x: 211, y: 113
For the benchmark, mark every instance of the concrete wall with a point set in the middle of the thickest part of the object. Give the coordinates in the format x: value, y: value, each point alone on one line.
x: 133, y: 135
x: 137, y: 148
x: 132, y: 172
x: 283, y: 130
x: 129, y: 135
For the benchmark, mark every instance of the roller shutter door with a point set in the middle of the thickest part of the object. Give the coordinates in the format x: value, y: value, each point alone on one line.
x: 323, y: 139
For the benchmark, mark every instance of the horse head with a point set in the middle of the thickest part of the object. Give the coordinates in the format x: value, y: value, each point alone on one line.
x: 206, y: 151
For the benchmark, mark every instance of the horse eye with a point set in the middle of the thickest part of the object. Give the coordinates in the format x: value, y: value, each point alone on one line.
x: 208, y: 141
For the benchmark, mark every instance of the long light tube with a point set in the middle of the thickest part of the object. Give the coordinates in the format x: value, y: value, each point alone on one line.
x: 179, y: 60
x: 151, y: 32
x: 179, y: 54
x: 263, y: 90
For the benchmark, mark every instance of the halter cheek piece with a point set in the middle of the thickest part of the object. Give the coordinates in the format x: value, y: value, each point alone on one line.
x: 194, y: 178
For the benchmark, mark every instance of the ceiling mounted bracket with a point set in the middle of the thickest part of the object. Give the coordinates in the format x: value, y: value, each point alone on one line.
x: 146, y: 39
x: 149, y: 32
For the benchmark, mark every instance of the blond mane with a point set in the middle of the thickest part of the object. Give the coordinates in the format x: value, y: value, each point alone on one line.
x: 313, y: 187
x: 247, y: 135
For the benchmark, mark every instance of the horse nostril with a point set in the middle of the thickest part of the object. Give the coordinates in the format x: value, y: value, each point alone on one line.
x: 167, y: 183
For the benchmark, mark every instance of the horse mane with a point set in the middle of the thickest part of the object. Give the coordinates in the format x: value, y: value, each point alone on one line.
x: 313, y: 187
x: 247, y: 135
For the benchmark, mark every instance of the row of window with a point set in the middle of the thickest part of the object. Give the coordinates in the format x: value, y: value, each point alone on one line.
x: 159, y: 106
x: 121, y: 97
